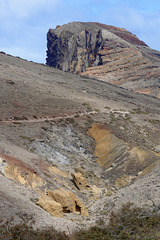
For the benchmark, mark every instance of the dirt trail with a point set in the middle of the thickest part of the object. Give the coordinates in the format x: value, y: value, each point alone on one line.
x: 48, y: 118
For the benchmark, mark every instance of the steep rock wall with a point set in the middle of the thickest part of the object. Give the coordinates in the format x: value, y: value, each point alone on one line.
x: 74, y: 53
x: 107, y: 53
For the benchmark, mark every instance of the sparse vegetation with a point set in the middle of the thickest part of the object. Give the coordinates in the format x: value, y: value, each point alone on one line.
x: 25, y: 232
x: 18, y: 123
x: 130, y: 223
x: 154, y: 121
x: 45, y: 128
x: 139, y: 111
x: 70, y: 120
x: 122, y: 110
x: 16, y: 118
x: 97, y: 110
x: 27, y: 138
x: 127, y: 117
x: 11, y: 82
x: 112, y: 117
x: 88, y: 107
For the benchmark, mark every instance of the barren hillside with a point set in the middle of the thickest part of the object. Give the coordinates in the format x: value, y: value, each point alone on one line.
x: 73, y: 148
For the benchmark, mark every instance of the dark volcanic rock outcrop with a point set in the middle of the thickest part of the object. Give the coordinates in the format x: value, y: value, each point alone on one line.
x: 74, y: 48
x: 105, y: 52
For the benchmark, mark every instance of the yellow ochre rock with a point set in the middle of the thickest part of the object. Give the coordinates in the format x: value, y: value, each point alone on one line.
x: 123, y: 162
x: 97, y: 192
x: 80, y: 181
x: 51, y: 206
x: 68, y: 201
x: 123, y: 181
x: 17, y: 170
x: 108, y: 146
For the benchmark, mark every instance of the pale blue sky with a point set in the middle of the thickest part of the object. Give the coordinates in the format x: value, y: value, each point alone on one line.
x: 24, y: 23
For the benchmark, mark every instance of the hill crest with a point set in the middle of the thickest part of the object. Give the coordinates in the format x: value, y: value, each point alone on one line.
x: 107, y: 53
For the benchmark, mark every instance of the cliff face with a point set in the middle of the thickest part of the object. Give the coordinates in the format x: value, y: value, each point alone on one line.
x: 74, y: 52
x: 105, y: 52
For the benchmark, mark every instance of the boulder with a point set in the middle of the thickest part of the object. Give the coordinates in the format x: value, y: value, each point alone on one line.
x: 68, y: 200
x: 97, y: 192
x: 51, y: 206
x: 80, y: 181
x: 157, y: 148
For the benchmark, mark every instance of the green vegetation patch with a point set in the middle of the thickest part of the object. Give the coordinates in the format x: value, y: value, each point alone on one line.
x: 154, y: 121
x: 87, y: 105
x: 139, y: 111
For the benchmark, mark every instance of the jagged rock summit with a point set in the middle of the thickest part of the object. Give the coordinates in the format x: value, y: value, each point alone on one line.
x: 107, y: 53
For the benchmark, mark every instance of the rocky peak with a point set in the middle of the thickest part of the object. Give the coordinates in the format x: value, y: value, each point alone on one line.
x: 74, y: 52
x: 107, y: 53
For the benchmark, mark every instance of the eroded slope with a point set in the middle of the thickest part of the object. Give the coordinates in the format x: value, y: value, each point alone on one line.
x: 72, y: 146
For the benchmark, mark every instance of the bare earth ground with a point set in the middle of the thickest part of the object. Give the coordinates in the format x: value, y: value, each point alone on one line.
x: 51, y: 113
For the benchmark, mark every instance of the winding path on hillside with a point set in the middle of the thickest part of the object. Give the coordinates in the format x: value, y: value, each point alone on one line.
x: 43, y: 119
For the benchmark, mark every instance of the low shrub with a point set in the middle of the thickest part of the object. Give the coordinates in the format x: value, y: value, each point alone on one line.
x: 25, y: 232
x: 129, y: 223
